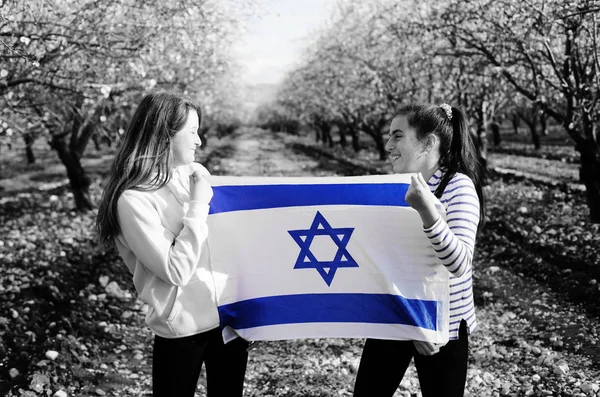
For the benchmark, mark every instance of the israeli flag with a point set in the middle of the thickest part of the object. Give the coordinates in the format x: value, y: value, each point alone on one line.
x: 312, y: 257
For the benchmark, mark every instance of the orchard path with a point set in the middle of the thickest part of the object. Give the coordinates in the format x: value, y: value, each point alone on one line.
x: 530, y: 342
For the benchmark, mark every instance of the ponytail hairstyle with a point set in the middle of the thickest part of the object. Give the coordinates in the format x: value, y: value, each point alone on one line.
x: 458, y: 152
x: 143, y: 161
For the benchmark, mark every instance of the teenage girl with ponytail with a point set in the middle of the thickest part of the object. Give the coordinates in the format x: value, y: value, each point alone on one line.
x: 433, y: 143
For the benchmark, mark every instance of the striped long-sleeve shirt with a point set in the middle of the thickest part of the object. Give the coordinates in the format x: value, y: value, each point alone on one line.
x: 454, y: 243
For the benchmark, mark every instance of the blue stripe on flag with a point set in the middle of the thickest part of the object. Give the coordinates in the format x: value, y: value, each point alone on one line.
x: 254, y: 197
x: 329, y: 308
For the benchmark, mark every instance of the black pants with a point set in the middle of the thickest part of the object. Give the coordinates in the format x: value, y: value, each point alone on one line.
x: 176, y: 365
x: 384, y: 362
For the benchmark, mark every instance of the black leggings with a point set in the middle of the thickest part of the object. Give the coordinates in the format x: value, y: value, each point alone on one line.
x: 384, y: 362
x: 176, y: 365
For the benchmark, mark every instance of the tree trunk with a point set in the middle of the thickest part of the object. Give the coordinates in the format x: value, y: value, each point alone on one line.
x: 480, y: 139
x: 317, y: 132
x: 355, y: 140
x: 325, y: 129
x: 515, y: 121
x: 373, y: 130
x: 532, y: 124
x: 535, y: 137
x: 589, y: 174
x: 79, y: 181
x: 28, y: 138
x: 495, y: 127
x: 381, y: 147
x: 96, y: 141
x: 543, y: 124
x: 342, y: 133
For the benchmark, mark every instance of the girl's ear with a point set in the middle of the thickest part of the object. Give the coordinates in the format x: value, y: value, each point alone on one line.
x: 432, y: 143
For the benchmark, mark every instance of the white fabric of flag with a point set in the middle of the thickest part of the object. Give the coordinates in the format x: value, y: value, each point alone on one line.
x: 315, y: 257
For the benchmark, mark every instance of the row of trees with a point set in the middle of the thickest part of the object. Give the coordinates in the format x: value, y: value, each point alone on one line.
x: 71, y: 69
x: 492, y: 57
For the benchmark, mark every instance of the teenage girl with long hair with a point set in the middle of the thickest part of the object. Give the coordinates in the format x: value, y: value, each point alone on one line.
x: 153, y: 211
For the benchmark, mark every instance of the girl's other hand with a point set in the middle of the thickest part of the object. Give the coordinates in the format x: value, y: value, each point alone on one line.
x: 427, y: 348
x: 419, y: 197
x: 200, y: 189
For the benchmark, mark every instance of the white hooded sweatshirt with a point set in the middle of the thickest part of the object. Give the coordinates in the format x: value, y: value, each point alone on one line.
x: 163, y: 243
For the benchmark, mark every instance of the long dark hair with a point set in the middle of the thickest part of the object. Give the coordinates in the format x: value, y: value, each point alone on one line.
x: 458, y: 152
x: 143, y: 160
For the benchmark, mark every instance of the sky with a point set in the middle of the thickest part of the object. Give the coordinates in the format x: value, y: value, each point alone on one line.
x: 274, y: 41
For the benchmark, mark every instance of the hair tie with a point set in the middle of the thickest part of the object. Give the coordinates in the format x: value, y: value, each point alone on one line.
x: 447, y: 109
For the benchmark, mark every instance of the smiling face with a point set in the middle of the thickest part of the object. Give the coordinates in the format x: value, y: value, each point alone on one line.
x: 185, y: 142
x: 407, y: 153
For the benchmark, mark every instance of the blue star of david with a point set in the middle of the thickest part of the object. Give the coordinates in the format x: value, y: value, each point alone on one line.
x: 307, y: 260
